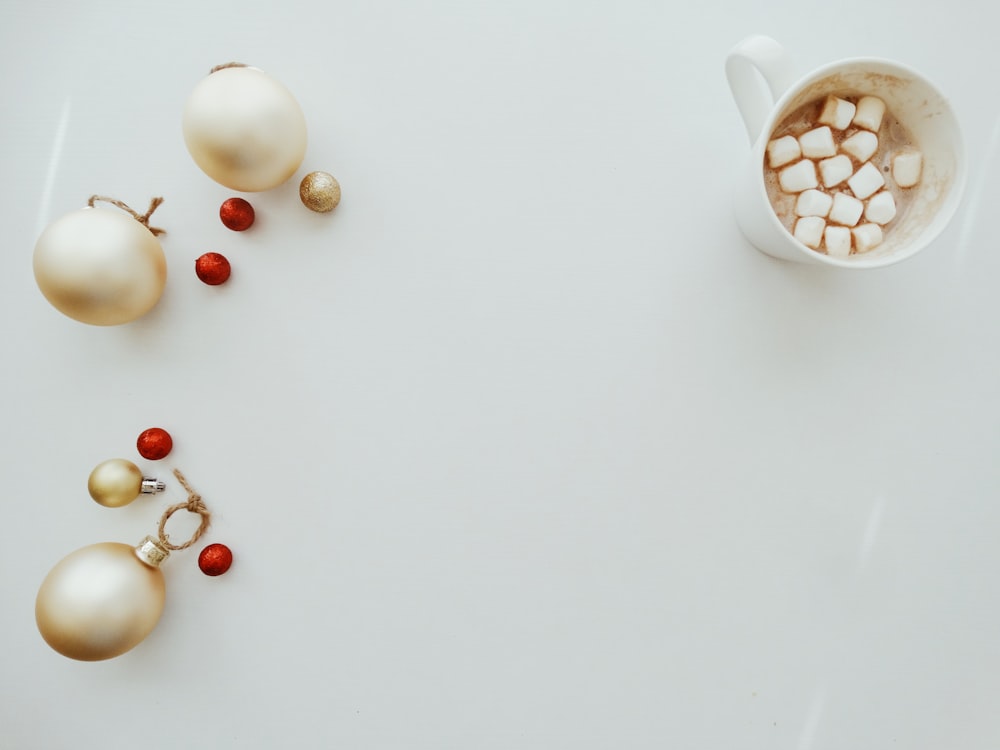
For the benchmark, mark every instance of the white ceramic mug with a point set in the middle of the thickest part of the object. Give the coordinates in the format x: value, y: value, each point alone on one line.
x: 761, y: 80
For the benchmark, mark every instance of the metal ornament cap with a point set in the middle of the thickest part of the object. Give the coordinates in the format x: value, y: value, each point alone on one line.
x: 151, y: 552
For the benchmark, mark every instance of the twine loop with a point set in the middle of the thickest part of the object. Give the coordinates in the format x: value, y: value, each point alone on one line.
x: 193, y: 504
x: 141, y: 218
x: 217, y: 68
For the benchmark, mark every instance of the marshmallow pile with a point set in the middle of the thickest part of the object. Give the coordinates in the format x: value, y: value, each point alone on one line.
x: 830, y: 170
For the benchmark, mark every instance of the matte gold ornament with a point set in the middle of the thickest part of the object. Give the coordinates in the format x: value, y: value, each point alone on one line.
x: 100, y: 601
x: 104, y: 599
x: 244, y: 129
x: 100, y: 266
x: 117, y: 482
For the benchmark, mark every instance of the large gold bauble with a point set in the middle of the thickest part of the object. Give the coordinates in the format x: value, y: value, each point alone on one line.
x: 100, y: 266
x: 99, y: 602
x: 244, y: 129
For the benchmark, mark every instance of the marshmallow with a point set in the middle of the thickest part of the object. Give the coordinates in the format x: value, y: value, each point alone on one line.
x: 835, y: 170
x: 866, y: 181
x: 869, y: 113
x: 782, y: 151
x: 846, y: 210
x: 881, y: 208
x: 906, y: 166
x: 813, y: 203
x: 867, y: 236
x: 798, y: 177
x: 837, y: 241
x: 837, y: 112
x: 861, y: 145
x: 817, y: 143
x: 809, y: 231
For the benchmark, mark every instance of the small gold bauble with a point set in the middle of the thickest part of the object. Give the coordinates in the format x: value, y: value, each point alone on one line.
x: 319, y: 192
x: 115, y: 482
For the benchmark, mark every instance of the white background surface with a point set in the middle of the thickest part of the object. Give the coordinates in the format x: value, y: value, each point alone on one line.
x: 524, y: 446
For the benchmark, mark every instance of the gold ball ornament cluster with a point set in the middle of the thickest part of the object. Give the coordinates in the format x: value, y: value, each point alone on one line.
x: 104, y: 599
x: 247, y: 132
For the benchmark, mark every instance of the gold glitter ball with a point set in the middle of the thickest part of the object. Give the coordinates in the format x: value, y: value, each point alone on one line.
x: 319, y: 192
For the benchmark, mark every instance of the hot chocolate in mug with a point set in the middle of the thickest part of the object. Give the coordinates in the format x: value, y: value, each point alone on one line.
x: 767, y: 94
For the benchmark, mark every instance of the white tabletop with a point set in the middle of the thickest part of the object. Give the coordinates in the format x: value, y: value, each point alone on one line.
x: 524, y: 446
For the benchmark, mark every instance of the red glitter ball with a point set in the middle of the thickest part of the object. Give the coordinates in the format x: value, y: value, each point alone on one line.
x: 237, y: 214
x: 212, y: 268
x: 215, y: 559
x: 154, y: 443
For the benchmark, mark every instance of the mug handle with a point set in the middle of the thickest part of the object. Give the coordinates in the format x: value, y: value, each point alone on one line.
x: 753, y: 67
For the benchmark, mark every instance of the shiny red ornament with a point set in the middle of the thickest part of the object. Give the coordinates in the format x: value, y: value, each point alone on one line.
x: 237, y: 214
x: 154, y: 443
x: 212, y: 268
x: 215, y: 559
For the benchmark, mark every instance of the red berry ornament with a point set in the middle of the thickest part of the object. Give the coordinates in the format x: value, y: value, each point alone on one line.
x: 154, y: 443
x: 215, y: 559
x: 237, y: 214
x: 212, y: 268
